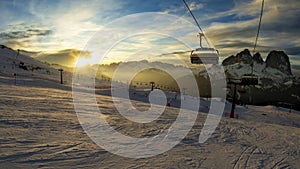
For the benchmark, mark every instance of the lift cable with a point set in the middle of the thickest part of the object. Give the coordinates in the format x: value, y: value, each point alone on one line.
x: 201, y: 31
x: 192, y: 15
x: 259, y: 25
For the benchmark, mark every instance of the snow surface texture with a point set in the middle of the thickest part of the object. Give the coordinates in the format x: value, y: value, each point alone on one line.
x: 39, y: 129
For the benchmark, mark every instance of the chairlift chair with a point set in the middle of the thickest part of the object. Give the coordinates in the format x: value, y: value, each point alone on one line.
x: 204, y: 55
x: 249, y: 79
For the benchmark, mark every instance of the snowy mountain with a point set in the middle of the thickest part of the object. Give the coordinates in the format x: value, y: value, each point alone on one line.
x: 276, y: 68
x: 276, y: 81
x: 23, y: 69
x: 13, y: 63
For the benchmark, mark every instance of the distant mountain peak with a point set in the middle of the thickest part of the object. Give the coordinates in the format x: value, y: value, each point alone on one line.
x: 275, y: 59
x: 244, y: 56
x: 257, y: 58
x: 279, y: 60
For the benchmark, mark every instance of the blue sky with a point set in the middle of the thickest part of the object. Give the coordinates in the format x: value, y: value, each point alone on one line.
x: 55, y: 25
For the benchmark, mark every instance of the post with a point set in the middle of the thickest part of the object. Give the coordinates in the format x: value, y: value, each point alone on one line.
x: 152, y: 85
x: 18, y: 53
x: 15, y: 80
x: 233, y: 102
x: 61, y: 75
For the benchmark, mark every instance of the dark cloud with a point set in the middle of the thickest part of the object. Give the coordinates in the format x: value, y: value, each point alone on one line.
x: 293, y: 51
x: 233, y: 44
x: 279, y: 29
x: 232, y: 33
x: 239, y: 45
x: 24, y: 34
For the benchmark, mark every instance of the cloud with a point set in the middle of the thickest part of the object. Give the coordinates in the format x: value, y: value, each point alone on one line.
x: 279, y: 29
x: 67, y: 57
x: 58, y: 25
x: 67, y: 24
x: 25, y: 34
x: 180, y: 7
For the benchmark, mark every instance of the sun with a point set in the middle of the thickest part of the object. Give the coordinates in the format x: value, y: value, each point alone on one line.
x: 81, y: 62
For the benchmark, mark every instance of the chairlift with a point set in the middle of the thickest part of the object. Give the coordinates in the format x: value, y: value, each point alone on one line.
x: 249, y: 79
x: 202, y: 55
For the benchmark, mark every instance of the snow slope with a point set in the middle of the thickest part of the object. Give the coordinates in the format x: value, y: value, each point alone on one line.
x: 24, y: 67
x: 39, y: 129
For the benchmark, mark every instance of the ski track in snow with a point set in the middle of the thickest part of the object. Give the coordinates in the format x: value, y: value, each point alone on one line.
x: 39, y: 129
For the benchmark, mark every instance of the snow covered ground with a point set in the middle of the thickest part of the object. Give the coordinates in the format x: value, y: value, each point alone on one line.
x: 39, y: 129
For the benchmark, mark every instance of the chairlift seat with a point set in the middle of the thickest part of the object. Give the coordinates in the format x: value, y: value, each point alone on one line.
x: 249, y: 80
x: 200, y: 57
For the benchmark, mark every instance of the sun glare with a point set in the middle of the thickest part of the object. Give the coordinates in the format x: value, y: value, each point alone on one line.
x: 82, y: 62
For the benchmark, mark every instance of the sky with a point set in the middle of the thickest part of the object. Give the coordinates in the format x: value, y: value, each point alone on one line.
x: 60, y: 28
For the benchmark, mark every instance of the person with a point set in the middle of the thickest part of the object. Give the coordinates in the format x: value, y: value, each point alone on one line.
x: 169, y: 103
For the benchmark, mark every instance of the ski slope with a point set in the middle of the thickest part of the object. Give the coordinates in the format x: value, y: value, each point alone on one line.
x: 39, y: 129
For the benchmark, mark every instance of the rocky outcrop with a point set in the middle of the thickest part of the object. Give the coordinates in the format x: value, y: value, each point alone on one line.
x: 275, y: 80
x: 244, y: 57
x: 229, y: 61
x: 275, y: 59
x: 257, y: 58
x: 279, y: 60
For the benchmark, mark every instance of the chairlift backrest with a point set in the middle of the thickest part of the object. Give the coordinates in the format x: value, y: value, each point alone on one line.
x: 201, y: 56
x: 249, y: 80
x: 206, y: 49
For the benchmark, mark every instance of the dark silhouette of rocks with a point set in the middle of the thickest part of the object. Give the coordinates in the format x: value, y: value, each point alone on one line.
x: 275, y: 59
x: 244, y: 57
x: 229, y: 61
x: 276, y: 83
x: 279, y: 60
x: 257, y: 58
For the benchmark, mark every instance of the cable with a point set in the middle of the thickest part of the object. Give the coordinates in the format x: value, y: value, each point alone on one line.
x: 201, y: 31
x: 192, y: 15
x: 259, y: 25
